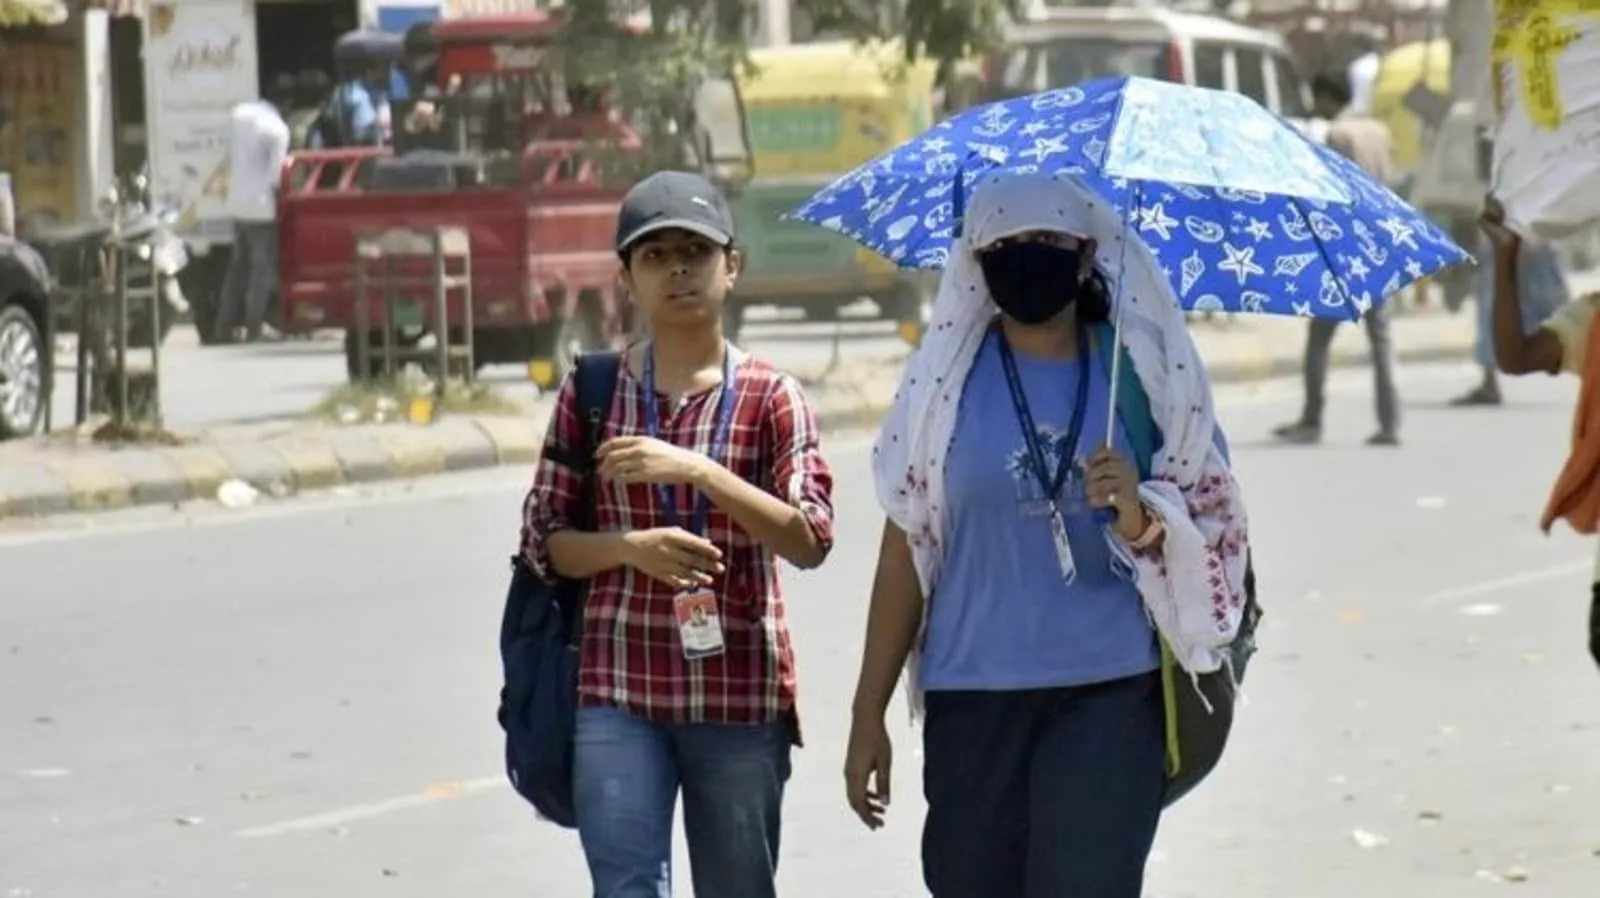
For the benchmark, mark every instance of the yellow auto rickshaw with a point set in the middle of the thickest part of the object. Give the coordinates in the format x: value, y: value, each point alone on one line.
x: 815, y: 112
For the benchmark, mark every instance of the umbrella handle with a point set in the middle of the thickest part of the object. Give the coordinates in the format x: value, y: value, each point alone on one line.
x: 1116, y: 379
x: 1108, y: 516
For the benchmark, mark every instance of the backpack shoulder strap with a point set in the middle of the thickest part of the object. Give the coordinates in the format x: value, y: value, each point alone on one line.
x: 1133, y: 405
x: 594, y: 381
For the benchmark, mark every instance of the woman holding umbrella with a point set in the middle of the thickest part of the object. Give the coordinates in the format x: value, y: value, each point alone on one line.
x: 1024, y: 559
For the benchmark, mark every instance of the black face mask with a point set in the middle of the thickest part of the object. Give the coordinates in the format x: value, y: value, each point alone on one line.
x: 1032, y: 282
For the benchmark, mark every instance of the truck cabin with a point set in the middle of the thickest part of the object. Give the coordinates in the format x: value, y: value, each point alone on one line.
x: 492, y: 80
x: 491, y: 94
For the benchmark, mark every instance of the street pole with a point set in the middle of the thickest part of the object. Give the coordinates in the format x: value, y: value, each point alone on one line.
x: 775, y: 22
x: 1469, y: 24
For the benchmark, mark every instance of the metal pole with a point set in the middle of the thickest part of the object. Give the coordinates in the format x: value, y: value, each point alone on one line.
x: 120, y: 413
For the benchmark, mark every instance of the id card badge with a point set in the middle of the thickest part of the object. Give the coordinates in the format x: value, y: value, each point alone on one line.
x: 699, y: 623
x: 1063, y: 546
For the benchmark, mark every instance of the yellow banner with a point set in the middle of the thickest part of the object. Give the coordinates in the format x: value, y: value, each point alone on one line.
x: 1530, y: 35
x: 37, y: 96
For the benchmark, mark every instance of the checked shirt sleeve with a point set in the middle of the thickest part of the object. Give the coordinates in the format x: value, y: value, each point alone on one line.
x: 800, y: 475
x: 553, y: 498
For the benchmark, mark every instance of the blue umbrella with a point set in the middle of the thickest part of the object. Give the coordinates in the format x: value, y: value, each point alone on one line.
x: 1245, y: 212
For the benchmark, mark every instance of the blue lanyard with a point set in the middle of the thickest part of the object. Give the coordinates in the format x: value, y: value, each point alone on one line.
x: 1030, y: 434
x: 667, y: 496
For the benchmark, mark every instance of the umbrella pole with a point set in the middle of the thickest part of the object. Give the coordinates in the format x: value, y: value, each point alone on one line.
x: 1116, y: 312
x: 1116, y: 375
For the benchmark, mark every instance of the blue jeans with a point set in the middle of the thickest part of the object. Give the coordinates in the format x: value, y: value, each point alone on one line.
x: 1540, y: 286
x: 626, y: 777
x: 1044, y: 793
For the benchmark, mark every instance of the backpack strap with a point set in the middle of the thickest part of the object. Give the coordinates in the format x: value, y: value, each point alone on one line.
x: 594, y: 381
x: 1133, y: 404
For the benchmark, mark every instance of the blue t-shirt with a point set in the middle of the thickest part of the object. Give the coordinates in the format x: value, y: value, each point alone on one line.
x: 1002, y: 616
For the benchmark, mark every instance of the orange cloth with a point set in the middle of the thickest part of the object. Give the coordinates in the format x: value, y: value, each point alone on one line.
x: 1575, y: 497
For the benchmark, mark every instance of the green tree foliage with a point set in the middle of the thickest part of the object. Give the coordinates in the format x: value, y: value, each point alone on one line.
x: 943, y: 30
x: 20, y: 13
x: 656, y: 71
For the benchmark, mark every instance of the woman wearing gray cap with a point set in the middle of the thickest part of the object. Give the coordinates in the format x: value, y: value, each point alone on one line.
x: 709, y: 471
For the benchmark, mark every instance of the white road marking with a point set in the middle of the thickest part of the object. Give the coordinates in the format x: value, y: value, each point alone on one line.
x: 439, y: 792
x: 1501, y: 584
x: 461, y: 789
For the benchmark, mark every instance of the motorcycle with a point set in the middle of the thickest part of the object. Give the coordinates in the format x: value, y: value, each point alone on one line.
x: 75, y: 255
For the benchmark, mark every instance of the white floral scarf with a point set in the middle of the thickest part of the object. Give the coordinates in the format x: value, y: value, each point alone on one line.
x: 1194, y: 588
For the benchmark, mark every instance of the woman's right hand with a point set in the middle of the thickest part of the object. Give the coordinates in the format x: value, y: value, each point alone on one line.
x: 1493, y: 224
x: 866, y: 769
x: 673, y: 556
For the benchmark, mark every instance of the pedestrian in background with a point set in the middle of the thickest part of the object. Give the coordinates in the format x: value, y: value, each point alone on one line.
x: 310, y: 90
x: 1541, y: 289
x: 8, y: 207
x: 258, y: 144
x: 1564, y: 344
x: 710, y: 470
x: 1366, y: 142
x: 1018, y: 613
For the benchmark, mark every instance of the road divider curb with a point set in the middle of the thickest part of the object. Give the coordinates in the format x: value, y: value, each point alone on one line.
x: 48, y: 482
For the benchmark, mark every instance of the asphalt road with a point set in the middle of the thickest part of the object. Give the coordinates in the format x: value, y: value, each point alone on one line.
x: 297, y: 700
x: 203, y: 387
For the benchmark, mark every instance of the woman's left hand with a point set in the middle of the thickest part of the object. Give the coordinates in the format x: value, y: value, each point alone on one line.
x: 1111, y: 481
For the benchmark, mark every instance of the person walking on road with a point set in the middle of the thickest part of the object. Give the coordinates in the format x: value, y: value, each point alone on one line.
x: 1021, y: 616
x: 1367, y: 142
x: 1564, y: 344
x: 1542, y: 290
x: 709, y: 471
x: 258, y: 143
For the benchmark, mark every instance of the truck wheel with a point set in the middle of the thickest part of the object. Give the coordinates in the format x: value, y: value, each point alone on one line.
x: 23, y: 357
x: 352, y: 363
x: 201, y: 281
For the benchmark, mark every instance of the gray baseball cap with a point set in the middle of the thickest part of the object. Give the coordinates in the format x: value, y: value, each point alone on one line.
x: 673, y: 199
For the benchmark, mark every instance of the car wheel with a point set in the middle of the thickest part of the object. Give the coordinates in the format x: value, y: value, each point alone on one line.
x: 22, y: 373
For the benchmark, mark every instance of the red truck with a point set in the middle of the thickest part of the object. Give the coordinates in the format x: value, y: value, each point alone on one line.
x: 524, y: 176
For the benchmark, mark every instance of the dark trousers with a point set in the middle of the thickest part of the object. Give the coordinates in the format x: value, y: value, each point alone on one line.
x: 1319, y: 349
x: 252, y: 275
x: 1594, y: 623
x: 1049, y: 793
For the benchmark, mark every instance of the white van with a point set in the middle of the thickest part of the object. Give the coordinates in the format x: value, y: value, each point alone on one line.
x: 1058, y: 46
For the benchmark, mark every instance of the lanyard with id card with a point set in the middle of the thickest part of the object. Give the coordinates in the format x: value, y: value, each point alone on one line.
x: 696, y: 610
x: 1066, y: 473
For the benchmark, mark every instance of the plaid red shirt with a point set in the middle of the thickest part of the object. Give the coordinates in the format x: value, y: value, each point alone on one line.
x: 632, y: 655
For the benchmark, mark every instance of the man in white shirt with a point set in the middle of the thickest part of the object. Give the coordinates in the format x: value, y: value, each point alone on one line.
x: 1363, y: 73
x: 258, y: 143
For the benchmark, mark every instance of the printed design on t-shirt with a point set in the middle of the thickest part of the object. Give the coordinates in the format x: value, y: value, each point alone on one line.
x: 1031, y: 498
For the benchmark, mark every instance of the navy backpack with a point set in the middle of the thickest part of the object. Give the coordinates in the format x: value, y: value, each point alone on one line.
x: 542, y: 625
